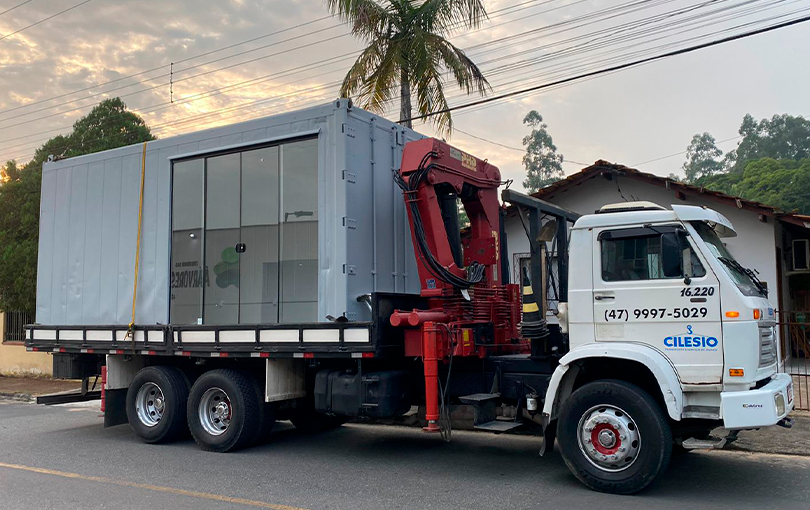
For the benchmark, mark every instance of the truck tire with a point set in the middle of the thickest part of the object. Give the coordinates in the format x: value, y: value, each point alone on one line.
x: 224, y: 411
x: 156, y: 404
x: 614, y: 437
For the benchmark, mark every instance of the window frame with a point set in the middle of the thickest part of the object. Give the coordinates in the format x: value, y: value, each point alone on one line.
x: 646, y: 231
x: 204, y: 155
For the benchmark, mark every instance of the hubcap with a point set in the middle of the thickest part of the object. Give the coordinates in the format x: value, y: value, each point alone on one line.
x: 609, y: 438
x: 150, y: 404
x: 215, y: 411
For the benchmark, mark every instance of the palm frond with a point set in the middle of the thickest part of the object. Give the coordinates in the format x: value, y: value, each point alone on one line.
x: 367, y: 18
x: 430, y: 97
x: 446, y: 16
x: 466, y: 73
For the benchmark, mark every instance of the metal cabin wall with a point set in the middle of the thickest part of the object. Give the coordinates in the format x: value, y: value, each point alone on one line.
x: 379, y: 250
x: 89, y: 217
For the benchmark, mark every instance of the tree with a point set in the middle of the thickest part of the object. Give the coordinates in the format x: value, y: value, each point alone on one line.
x: 702, y: 158
x: 406, y: 45
x: 780, y: 137
x: 781, y: 183
x: 543, y: 164
x: 19, y: 226
x: 107, y: 126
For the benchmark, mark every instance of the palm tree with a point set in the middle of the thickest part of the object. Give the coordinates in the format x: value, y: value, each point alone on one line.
x: 406, y: 43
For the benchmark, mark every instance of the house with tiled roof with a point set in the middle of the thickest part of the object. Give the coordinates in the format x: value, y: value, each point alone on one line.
x: 773, y: 242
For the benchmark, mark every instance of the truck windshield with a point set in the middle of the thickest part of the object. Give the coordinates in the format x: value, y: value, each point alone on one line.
x: 745, y: 279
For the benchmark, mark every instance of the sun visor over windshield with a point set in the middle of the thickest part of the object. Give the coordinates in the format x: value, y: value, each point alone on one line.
x: 719, y: 222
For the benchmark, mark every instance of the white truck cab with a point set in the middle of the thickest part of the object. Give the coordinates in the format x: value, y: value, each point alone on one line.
x: 658, y: 287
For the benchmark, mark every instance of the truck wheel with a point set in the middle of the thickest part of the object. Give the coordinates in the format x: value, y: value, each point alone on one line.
x: 156, y: 402
x: 224, y: 411
x: 614, y: 437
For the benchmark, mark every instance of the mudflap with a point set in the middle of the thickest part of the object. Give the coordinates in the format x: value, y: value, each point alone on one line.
x: 549, y: 436
x: 115, y: 407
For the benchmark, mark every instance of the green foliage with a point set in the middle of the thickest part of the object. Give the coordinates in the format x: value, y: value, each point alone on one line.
x: 780, y: 137
x: 723, y: 182
x: 406, y: 45
x: 107, y: 126
x: 769, y: 164
x: 779, y: 183
x: 702, y: 158
x: 543, y: 163
x: 19, y: 226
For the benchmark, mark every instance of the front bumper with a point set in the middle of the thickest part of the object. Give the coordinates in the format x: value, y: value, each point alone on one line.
x: 762, y: 407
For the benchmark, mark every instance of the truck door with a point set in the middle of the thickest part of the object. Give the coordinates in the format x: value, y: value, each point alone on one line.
x: 641, y: 295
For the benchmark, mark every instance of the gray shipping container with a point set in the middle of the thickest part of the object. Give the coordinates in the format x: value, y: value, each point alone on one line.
x: 283, y: 219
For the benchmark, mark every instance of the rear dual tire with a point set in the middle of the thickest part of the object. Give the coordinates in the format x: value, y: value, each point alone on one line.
x: 156, y: 404
x: 226, y: 412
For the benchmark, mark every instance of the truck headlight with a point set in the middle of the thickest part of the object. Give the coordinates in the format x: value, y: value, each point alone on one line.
x: 779, y: 401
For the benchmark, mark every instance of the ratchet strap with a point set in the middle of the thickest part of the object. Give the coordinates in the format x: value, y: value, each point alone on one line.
x: 130, y: 330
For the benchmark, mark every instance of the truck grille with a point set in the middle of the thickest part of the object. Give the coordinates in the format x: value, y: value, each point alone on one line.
x: 767, y: 346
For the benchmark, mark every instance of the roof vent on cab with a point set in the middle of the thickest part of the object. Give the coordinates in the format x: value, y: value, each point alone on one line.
x: 641, y: 205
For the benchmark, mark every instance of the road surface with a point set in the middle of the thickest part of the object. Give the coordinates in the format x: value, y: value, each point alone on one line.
x: 62, y: 458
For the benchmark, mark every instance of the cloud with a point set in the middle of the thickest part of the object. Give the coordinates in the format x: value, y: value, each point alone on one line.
x: 628, y: 117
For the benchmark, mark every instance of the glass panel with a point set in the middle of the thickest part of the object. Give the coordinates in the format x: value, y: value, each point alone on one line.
x: 258, y: 265
x: 221, y: 298
x: 299, y: 232
x: 187, y: 275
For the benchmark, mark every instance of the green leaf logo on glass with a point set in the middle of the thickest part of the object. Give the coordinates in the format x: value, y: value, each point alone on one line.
x: 227, y: 270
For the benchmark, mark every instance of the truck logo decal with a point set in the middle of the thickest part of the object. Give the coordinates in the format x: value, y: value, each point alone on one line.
x: 691, y: 341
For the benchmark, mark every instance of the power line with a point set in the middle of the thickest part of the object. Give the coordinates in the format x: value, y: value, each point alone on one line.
x: 12, y: 8
x: 296, y: 92
x: 52, y: 16
x: 619, y: 67
x: 508, y: 146
x: 140, y: 73
x: 219, y: 112
x: 514, y: 8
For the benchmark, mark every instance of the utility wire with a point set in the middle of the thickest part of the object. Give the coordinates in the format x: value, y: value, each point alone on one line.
x: 320, y: 31
x: 523, y: 150
x: 616, y: 67
x: 566, y: 80
x: 164, y: 66
x: 12, y: 8
x: 52, y: 16
x: 204, y: 94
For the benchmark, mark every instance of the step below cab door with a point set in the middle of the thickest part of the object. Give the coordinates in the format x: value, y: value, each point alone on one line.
x: 641, y: 294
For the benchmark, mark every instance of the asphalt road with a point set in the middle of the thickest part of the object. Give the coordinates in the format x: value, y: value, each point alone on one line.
x: 62, y: 458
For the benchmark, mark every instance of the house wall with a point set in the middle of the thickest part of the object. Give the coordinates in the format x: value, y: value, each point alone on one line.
x: 754, y: 246
x: 15, y: 360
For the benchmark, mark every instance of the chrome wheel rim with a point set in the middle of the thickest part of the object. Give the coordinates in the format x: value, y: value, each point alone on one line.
x: 215, y: 411
x: 150, y: 404
x: 609, y: 438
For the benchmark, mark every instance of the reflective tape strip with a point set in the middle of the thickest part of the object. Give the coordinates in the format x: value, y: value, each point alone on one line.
x: 99, y: 336
x: 68, y: 334
x: 357, y: 335
x: 198, y: 337
x: 530, y: 307
x: 322, y: 335
x: 233, y: 337
x: 278, y: 335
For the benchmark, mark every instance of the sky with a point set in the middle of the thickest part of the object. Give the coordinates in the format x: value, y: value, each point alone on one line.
x: 225, y: 61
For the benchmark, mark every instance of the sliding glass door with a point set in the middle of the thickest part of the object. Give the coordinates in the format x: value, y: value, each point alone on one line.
x: 245, y: 236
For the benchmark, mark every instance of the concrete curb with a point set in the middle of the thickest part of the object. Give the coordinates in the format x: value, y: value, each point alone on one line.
x: 19, y: 397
